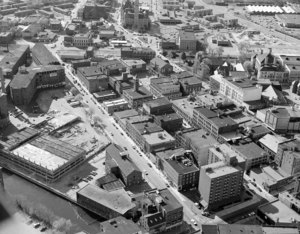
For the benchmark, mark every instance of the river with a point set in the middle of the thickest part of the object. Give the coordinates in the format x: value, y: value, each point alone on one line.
x: 81, y: 219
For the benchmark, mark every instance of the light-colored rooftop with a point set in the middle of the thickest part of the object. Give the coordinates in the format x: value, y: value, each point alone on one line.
x: 218, y: 169
x: 117, y: 200
x: 39, y: 156
x: 272, y: 141
x: 158, y: 138
x: 61, y: 120
x: 279, y: 212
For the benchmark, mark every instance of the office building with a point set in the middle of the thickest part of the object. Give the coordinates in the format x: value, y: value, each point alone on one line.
x: 220, y: 184
x: 135, y: 66
x: 112, y: 67
x: 178, y: 165
x: 93, y: 78
x: 118, y: 162
x: 82, y: 40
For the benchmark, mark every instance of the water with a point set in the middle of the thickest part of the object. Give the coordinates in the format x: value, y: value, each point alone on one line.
x: 81, y: 220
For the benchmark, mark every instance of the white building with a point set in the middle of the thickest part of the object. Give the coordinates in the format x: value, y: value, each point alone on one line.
x: 240, y: 90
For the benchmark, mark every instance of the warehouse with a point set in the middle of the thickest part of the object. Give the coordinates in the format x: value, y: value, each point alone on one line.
x: 289, y: 20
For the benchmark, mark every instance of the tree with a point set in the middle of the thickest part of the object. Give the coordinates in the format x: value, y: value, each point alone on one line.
x: 210, y: 51
x: 220, y: 51
x: 183, y: 56
x: 91, y: 110
x: 165, y: 53
x: 62, y: 225
x: 248, y: 66
x: 78, y: 97
x: 74, y: 91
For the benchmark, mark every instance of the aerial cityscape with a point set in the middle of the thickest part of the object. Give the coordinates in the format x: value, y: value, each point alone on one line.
x: 150, y: 116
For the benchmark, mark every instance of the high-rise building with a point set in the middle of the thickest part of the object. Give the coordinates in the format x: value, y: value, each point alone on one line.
x: 220, y: 184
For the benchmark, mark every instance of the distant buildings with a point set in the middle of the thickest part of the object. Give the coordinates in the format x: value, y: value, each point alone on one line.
x: 170, y: 4
x: 94, y: 11
x: 289, y: 20
x: 145, y: 54
x: 161, y: 66
x: 186, y: 41
x: 178, y: 165
x: 133, y: 17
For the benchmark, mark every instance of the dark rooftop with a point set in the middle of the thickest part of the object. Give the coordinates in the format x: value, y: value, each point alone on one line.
x: 125, y: 114
x: 158, y: 102
x: 91, y: 73
x: 119, y: 225
x: 140, y: 93
x: 248, y: 148
x: 42, y: 56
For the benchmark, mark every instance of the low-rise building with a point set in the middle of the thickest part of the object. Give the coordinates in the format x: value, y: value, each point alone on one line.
x: 161, y: 66
x: 145, y: 54
x: 135, y: 66
x: 185, y: 108
x: 213, y: 121
x: 240, y: 90
x: 93, y: 78
x: 106, y: 204
x: 198, y: 142
x: 190, y: 85
x: 290, y: 200
x: 115, y: 105
x: 137, y: 96
x: 105, y: 95
x: 118, y: 162
x: 186, y: 41
x: 170, y: 122
x: 271, y: 142
x: 179, y: 167
x: 251, y: 152
x: 159, y: 106
x: 119, y: 225
x: 82, y: 40
x: 165, y: 87
x: 112, y: 67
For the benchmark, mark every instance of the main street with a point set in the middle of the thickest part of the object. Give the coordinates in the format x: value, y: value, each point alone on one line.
x: 152, y: 175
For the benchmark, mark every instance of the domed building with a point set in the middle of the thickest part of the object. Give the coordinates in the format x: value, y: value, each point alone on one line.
x: 133, y: 17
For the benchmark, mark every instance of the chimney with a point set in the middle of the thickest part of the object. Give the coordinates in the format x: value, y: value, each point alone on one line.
x: 261, y: 51
x: 270, y: 50
x: 136, y: 84
x: 2, y: 81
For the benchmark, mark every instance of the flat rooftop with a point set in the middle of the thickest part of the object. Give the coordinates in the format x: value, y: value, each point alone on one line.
x: 218, y: 169
x: 272, y: 141
x: 242, y: 83
x: 199, y: 139
x: 158, y: 102
x: 117, y: 200
x: 248, y: 149
x: 140, y: 93
x: 186, y: 106
x: 62, y: 120
x: 125, y: 114
x: 177, y: 165
x: 156, y: 138
x: 279, y: 212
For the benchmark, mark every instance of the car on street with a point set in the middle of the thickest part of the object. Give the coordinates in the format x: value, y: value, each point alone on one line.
x: 145, y: 172
x: 149, y: 165
x: 193, y: 221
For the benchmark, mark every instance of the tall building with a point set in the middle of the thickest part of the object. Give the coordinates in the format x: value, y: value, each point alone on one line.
x: 220, y: 184
x: 133, y: 17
